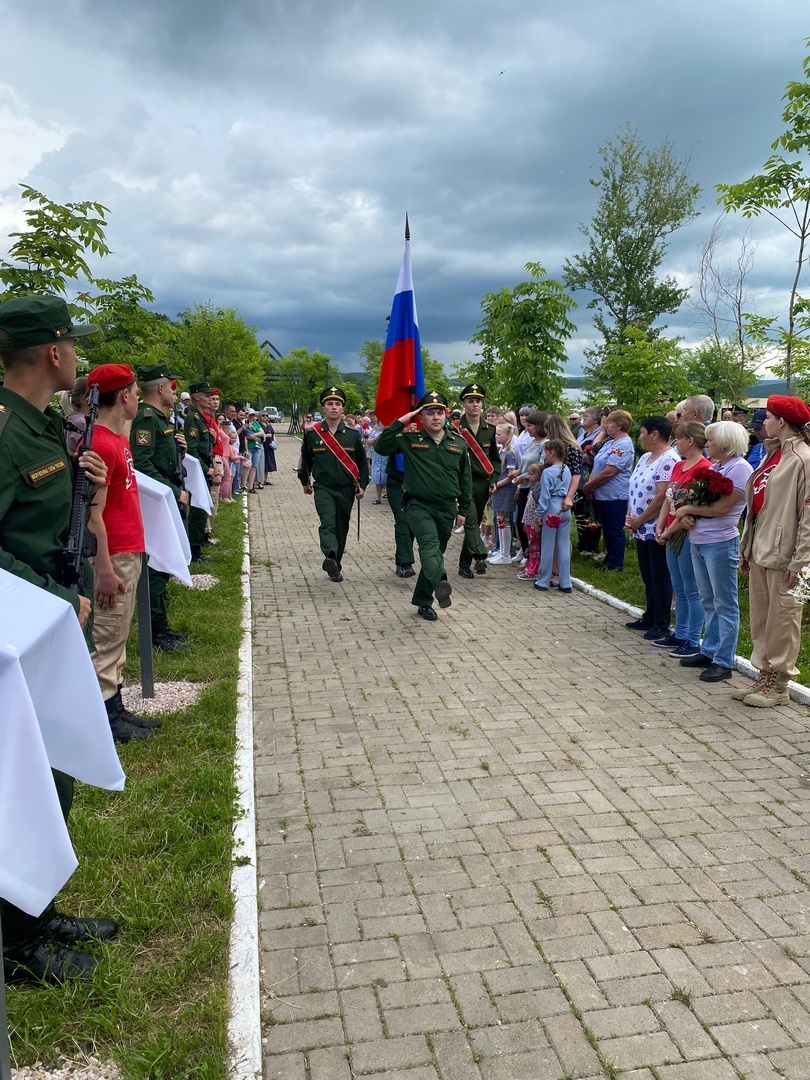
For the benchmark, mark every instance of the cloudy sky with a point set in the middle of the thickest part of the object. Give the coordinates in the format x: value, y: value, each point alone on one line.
x: 261, y: 154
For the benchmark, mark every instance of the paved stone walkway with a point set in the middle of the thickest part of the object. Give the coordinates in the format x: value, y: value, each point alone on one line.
x: 515, y: 844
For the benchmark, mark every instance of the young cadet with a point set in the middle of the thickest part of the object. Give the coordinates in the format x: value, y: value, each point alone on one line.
x: 334, y: 467
x: 154, y: 444
x: 199, y: 445
x: 437, y: 492
x: 485, y: 465
x: 37, y: 349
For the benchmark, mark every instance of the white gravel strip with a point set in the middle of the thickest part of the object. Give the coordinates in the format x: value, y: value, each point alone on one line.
x: 745, y: 667
x: 92, y: 1069
x: 200, y: 581
x: 169, y: 696
x: 244, y: 1024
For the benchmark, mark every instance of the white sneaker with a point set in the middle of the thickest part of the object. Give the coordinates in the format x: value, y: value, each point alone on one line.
x: 516, y: 558
x: 460, y: 529
x: 500, y: 560
x: 524, y: 561
x: 600, y: 558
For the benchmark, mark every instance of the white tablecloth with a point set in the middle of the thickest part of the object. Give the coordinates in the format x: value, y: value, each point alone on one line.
x: 53, y: 716
x: 164, y: 532
x: 196, y: 484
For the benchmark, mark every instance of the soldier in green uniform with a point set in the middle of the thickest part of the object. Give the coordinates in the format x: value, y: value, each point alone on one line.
x: 336, y: 487
x: 403, y: 537
x: 438, y: 492
x: 485, y: 470
x: 37, y: 350
x: 199, y: 446
x: 154, y: 447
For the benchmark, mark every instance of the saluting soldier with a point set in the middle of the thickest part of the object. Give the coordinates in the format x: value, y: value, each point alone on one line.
x: 334, y: 467
x: 37, y: 349
x: 200, y: 446
x: 155, y: 453
x: 485, y: 465
x: 437, y: 492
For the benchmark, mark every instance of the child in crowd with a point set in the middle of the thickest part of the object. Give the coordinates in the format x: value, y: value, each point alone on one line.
x: 556, y: 524
x: 531, y: 523
x: 503, y: 497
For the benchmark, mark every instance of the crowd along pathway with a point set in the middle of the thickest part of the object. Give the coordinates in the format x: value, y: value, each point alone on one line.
x: 515, y: 844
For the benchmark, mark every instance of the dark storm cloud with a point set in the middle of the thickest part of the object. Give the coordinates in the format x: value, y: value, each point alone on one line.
x: 262, y: 155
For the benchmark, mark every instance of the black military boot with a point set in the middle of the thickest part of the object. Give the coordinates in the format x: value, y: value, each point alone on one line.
x: 122, y: 731
x: 162, y: 639
x: 43, y: 960
x: 133, y: 718
x: 68, y: 930
x: 197, y: 555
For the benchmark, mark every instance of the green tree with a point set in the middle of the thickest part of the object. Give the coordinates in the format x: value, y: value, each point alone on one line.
x: 644, y: 196
x: 372, y: 354
x: 131, y: 333
x: 641, y: 374
x: 782, y: 191
x: 717, y: 368
x: 522, y: 337
x: 299, y: 378
x: 216, y: 344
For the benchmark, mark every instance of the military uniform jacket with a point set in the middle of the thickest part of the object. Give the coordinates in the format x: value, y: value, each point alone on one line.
x: 36, y: 494
x: 318, y: 460
x: 151, y: 439
x: 434, y: 472
x: 486, y: 440
x: 198, y: 438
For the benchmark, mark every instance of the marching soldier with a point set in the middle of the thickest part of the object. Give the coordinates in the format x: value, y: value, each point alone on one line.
x: 155, y: 453
x: 437, y: 492
x: 334, y: 466
x: 403, y: 537
x: 200, y: 446
x: 485, y: 466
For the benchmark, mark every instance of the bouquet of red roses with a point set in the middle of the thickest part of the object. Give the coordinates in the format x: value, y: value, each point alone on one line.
x: 553, y: 521
x: 704, y: 490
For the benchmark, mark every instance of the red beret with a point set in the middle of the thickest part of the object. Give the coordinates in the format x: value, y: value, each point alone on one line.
x: 792, y: 409
x: 111, y: 377
x: 215, y: 390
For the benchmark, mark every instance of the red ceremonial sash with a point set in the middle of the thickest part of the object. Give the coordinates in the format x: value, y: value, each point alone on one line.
x: 344, y: 459
x: 472, y: 442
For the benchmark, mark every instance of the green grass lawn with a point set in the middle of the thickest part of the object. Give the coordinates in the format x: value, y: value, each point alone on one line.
x: 629, y: 587
x: 157, y: 857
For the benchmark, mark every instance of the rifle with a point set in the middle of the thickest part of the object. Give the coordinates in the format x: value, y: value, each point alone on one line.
x: 81, y: 544
x: 179, y: 467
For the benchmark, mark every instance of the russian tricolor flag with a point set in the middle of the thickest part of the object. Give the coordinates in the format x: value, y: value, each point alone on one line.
x: 402, y: 381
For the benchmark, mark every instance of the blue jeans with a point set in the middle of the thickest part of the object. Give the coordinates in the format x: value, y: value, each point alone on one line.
x: 688, y: 612
x: 236, y: 473
x: 715, y: 567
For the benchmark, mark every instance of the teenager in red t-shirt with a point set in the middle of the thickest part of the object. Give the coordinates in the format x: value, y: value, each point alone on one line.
x: 116, y: 521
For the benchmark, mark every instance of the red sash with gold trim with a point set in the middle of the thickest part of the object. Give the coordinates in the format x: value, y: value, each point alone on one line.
x: 348, y: 464
x: 472, y: 442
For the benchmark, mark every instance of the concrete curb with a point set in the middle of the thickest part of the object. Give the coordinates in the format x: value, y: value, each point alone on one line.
x: 244, y: 1022
x: 798, y: 693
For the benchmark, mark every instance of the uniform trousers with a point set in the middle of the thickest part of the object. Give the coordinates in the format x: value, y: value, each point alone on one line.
x: 219, y: 469
x: 334, y: 506
x: 775, y: 619
x: 197, y: 521
x: 432, y: 527
x: 111, y: 626
x: 158, y: 596
x: 403, y: 537
x: 473, y: 546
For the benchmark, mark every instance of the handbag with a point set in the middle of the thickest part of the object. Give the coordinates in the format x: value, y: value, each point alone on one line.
x: 273, y: 444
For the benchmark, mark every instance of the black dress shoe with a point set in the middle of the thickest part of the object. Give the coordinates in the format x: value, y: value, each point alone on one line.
x: 481, y: 566
x: 700, y: 660
x: 337, y: 576
x: 45, y: 961
x: 68, y: 930
x: 637, y: 624
x: 715, y: 673
x: 406, y: 570
x: 427, y: 613
x: 442, y: 591
x: 329, y: 565
x: 465, y: 572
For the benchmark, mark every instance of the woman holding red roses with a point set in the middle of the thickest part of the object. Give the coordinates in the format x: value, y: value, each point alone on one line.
x: 715, y: 542
x: 775, y: 546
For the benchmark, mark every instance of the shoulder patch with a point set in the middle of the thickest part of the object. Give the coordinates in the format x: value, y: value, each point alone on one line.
x: 36, y: 476
x: 143, y: 437
x: 194, y: 432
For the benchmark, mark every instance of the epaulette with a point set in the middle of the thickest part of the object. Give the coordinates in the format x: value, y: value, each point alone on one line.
x: 147, y: 411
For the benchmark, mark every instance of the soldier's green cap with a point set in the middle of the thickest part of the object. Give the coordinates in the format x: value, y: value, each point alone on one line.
x: 473, y: 390
x: 38, y: 320
x: 153, y: 372
x: 333, y: 392
x: 199, y: 388
x: 432, y: 397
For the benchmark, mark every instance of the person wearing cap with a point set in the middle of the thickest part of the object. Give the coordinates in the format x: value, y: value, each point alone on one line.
x: 437, y: 492
x: 774, y: 548
x: 116, y: 522
x: 199, y: 445
x: 485, y: 466
x: 154, y: 444
x: 38, y: 353
x: 334, y: 468
x: 757, y: 452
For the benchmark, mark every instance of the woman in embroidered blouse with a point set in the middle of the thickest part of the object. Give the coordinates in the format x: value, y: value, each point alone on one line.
x: 609, y: 485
